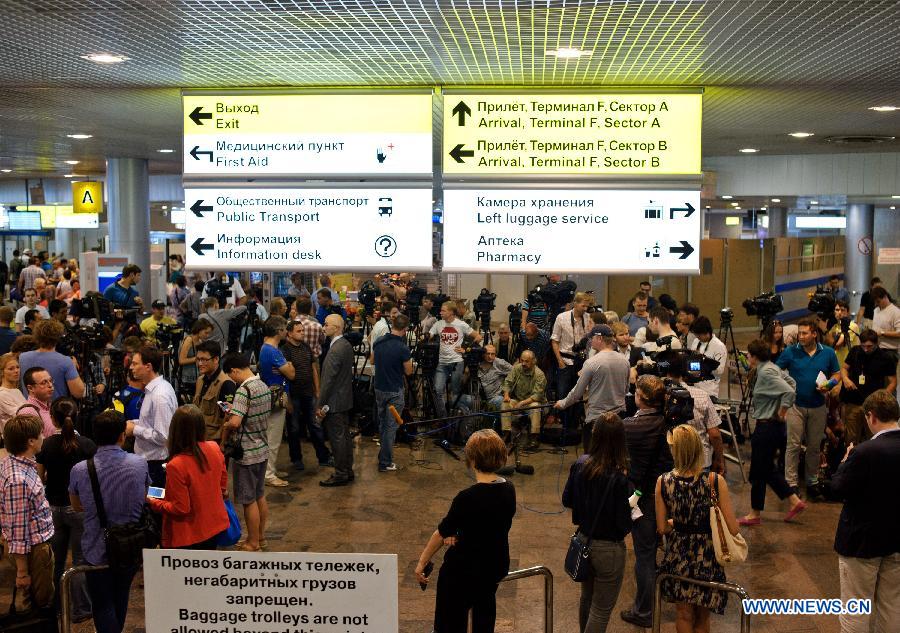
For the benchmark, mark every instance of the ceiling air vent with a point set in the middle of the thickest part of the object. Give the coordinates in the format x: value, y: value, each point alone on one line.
x: 859, y: 139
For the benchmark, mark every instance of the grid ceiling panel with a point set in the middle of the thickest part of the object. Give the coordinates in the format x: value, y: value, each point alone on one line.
x: 768, y: 65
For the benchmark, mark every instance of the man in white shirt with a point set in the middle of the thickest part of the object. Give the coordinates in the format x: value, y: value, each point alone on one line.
x: 382, y: 326
x: 236, y: 295
x: 568, y: 329
x: 886, y: 321
x: 712, y: 347
x: 452, y: 332
x: 151, y: 429
x: 30, y: 304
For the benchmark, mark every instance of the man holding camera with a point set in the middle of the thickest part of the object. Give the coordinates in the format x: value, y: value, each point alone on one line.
x: 568, y: 329
x: 123, y: 293
x: 451, y: 332
x: 712, y: 347
x: 844, y: 334
x: 523, y: 388
x: 157, y: 317
x: 604, y: 377
x: 227, y: 291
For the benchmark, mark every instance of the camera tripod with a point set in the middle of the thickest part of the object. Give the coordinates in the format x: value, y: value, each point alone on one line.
x: 486, y: 335
x: 520, y: 426
x: 470, y: 394
x: 726, y: 335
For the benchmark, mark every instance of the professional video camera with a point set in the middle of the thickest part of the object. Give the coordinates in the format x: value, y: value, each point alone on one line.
x: 693, y: 365
x: 484, y: 303
x: 368, y: 292
x: 219, y: 289
x: 80, y: 339
x: 439, y: 300
x: 101, y: 310
x: 515, y: 316
x: 679, y: 405
x: 168, y: 335
x: 822, y: 303
x: 726, y: 315
x: 472, y: 356
x: 765, y: 307
x: 427, y: 356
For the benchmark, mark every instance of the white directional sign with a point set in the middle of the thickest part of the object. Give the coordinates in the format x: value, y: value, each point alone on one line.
x: 308, y: 229
x: 307, y: 134
x: 575, y: 231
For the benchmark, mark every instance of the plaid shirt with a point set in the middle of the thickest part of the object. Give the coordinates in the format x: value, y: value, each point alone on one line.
x: 28, y: 275
x: 313, y: 334
x: 25, y: 517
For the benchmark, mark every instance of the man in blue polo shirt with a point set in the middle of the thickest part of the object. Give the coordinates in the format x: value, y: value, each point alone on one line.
x: 392, y: 362
x: 803, y: 362
x: 273, y: 370
x: 123, y: 293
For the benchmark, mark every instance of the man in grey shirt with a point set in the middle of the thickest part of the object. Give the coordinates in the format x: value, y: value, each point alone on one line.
x: 221, y: 319
x: 491, y: 373
x: 604, y: 377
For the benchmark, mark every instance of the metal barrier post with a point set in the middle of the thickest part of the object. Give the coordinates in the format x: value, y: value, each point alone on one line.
x: 538, y: 570
x: 65, y: 586
x: 730, y: 587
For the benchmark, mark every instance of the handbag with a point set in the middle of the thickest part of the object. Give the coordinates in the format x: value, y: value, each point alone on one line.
x: 39, y: 620
x: 125, y: 543
x: 578, y: 564
x: 729, y: 548
x: 232, y: 534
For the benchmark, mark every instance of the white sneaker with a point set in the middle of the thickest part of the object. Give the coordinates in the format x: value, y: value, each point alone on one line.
x: 387, y: 469
x: 275, y: 481
x: 281, y: 473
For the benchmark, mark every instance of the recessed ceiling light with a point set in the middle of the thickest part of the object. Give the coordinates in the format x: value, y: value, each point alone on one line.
x: 708, y: 207
x: 748, y: 150
x: 6, y: 171
x: 801, y: 134
x: 68, y: 175
x: 567, y: 52
x: 892, y: 208
x: 165, y: 206
x: 71, y: 162
x: 776, y: 199
x: 734, y: 204
x: 764, y: 208
x: 80, y: 137
x: 165, y: 151
x: 727, y: 197
x: 895, y: 197
x: 814, y: 202
x: 884, y: 108
x: 105, y: 58
x: 737, y: 208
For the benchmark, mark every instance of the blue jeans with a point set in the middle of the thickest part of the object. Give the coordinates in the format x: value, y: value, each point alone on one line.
x: 387, y: 425
x: 109, y: 591
x: 68, y: 527
x: 565, y: 380
x: 452, y: 373
x: 303, y: 416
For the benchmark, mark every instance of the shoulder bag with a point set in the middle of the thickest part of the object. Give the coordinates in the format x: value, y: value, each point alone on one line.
x: 729, y: 548
x: 125, y: 543
x: 233, y: 448
x: 578, y: 562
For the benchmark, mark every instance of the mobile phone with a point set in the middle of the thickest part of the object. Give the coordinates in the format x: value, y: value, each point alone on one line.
x: 224, y: 406
x: 156, y: 493
x: 426, y: 572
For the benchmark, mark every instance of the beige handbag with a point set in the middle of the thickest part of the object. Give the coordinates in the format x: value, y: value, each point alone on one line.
x: 729, y: 549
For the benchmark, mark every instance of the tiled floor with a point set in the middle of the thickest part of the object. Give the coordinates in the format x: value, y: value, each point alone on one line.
x: 396, y: 512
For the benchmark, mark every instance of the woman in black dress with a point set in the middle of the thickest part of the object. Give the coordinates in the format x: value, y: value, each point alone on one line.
x: 476, y: 529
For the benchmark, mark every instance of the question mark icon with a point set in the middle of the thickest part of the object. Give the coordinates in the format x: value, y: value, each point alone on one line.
x: 385, y: 246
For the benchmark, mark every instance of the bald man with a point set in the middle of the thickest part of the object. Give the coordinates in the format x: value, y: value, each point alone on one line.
x: 525, y: 386
x: 336, y: 393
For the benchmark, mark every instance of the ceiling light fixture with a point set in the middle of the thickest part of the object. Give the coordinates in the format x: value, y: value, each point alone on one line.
x: 71, y: 162
x: 884, y: 108
x: 814, y: 202
x: 737, y: 208
x: 776, y: 199
x: 896, y: 197
x: 68, y: 175
x: 748, y: 150
x: 80, y: 137
x: 764, y: 208
x: 6, y: 171
x: 568, y: 52
x: 892, y: 208
x: 165, y: 151
x: 734, y: 204
x: 105, y: 58
x: 801, y: 134
x: 726, y: 197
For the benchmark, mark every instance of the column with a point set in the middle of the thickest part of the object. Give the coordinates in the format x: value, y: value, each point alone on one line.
x: 64, y: 242
x: 858, y: 248
x: 128, y: 192
x: 778, y: 222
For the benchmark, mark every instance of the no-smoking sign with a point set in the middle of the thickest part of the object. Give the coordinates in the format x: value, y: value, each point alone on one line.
x: 864, y: 245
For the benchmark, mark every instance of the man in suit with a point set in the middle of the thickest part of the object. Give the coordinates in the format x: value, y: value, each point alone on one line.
x: 868, y: 532
x: 336, y: 392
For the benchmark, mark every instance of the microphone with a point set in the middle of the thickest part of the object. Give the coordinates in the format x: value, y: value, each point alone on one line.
x: 445, y: 445
x: 396, y: 415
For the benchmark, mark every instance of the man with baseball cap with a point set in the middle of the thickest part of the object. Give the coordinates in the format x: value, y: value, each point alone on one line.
x: 157, y: 317
x: 604, y: 377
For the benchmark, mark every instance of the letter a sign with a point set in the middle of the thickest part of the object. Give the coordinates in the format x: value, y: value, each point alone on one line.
x: 87, y: 197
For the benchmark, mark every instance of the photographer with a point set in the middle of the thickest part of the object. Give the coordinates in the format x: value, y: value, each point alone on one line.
x: 157, y: 317
x: 649, y: 457
x: 568, y: 329
x: 865, y: 370
x: 393, y: 361
x: 221, y: 319
x: 687, y: 315
x: 844, y: 334
x: 59, y: 311
x: 62, y: 369
x: 705, y: 419
x: 524, y: 387
x: 123, y: 293
x: 451, y: 333
x: 327, y: 306
x: 604, y: 377
x: 535, y: 310
x: 665, y: 337
x: 712, y: 347
x: 213, y: 386
x: 389, y: 311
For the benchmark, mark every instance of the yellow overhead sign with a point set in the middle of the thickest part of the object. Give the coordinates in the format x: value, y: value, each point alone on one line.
x: 87, y: 197
x: 306, y: 113
x: 572, y: 134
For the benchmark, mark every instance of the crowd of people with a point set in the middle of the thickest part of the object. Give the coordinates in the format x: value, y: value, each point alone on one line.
x: 79, y: 455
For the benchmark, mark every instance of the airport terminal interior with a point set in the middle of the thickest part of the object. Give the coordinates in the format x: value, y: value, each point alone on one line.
x: 736, y: 157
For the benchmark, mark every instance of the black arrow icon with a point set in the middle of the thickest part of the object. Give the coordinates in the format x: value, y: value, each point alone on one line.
x: 199, y: 246
x: 688, y: 208
x: 457, y: 153
x: 196, y: 156
x: 685, y: 249
x: 198, y: 207
x: 197, y: 116
x: 461, y: 110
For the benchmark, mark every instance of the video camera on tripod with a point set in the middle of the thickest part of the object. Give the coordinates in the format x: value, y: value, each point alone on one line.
x: 822, y: 302
x: 515, y: 317
x: 367, y: 294
x: 693, y: 365
x: 764, y: 307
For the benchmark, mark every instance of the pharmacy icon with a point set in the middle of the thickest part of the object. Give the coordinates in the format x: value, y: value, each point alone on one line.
x: 652, y: 251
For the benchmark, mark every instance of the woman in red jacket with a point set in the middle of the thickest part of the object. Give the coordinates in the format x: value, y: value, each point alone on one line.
x: 193, y: 509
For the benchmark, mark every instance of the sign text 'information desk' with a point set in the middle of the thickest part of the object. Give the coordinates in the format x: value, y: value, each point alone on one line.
x: 573, y: 231
x: 343, y: 229
x: 289, y: 135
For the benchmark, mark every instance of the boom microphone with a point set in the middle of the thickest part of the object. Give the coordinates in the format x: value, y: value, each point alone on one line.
x: 396, y: 415
x: 444, y: 444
